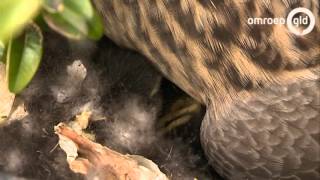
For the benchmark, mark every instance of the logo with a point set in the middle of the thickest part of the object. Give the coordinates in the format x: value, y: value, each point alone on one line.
x: 300, y: 21
x: 293, y: 22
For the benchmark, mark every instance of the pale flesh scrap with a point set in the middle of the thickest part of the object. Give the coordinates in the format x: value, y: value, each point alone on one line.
x: 97, y: 161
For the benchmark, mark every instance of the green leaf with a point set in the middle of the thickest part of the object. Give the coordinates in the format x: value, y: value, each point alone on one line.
x: 2, y: 52
x: 96, y: 27
x: 75, y: 19
x: 15, y: 14
x: 53, y: 5
x: 23, y: 58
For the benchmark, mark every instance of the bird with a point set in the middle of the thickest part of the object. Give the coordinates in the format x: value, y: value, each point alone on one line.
x: 259, y: 82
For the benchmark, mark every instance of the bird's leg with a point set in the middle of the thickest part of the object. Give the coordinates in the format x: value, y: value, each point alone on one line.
x: 179, y: 113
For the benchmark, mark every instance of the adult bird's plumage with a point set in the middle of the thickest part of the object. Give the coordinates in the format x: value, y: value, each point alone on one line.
x: 259, y: 82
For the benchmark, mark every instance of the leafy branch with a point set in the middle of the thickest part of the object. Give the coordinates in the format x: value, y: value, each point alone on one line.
x: 21, y: 39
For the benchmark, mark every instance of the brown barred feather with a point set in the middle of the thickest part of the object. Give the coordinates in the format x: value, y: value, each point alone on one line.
x: 208, y: 49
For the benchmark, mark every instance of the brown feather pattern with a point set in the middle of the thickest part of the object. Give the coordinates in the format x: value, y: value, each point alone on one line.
x: 207, y: 48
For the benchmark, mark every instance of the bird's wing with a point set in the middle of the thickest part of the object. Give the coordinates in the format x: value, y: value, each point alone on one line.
x: 274, y: 133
